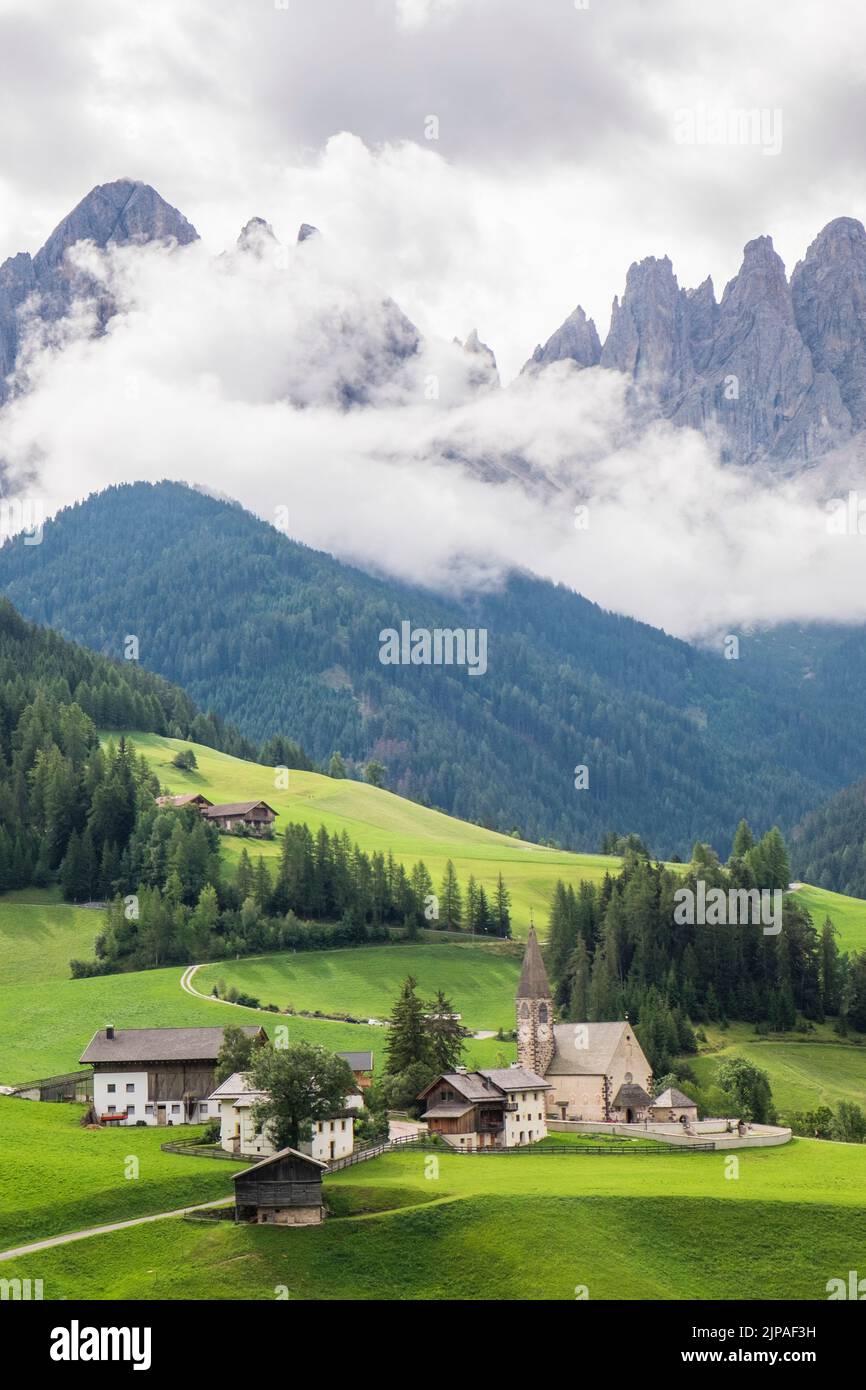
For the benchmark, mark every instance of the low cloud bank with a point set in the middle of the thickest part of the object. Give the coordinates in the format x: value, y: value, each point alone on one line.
x: 281, y: 377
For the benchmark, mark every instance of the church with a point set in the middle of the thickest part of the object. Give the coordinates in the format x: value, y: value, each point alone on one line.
x: 596, y: 1071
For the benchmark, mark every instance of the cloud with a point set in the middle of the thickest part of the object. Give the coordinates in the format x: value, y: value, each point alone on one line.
x: 231, y: 372
x: 555, y: 164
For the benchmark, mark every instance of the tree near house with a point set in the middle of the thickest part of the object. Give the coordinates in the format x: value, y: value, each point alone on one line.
x: 445, y: 1034
x: 235, y: 1054
x: 408, y: 1038
x: 303, y: 1084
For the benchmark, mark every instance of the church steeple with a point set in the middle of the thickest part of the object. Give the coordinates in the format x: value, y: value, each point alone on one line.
x: 534, y: 1011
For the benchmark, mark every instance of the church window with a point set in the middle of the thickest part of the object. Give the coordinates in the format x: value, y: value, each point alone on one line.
x: 628, y: 1076
x: 542, y: 1013
x: 524, y: 1010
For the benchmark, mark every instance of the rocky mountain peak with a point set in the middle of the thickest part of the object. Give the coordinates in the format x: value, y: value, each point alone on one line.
x: 116, y: 214
x: 257, y: 237
x: 576, y: 339
x: 828, y: 290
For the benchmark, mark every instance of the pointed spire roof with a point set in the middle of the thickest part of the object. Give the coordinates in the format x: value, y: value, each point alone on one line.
x: 533, y: 977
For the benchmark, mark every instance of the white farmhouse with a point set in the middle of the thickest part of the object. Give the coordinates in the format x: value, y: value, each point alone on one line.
x: 234, y: 1099
x: 155, y: 1076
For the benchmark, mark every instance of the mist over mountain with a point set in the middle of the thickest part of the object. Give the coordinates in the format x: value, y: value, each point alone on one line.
x: 691, y: 439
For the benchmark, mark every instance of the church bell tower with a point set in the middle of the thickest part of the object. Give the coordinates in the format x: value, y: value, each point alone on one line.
x: 534, y: 1011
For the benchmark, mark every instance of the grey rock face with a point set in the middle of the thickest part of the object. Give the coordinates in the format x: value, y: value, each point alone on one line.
x: 777, y: 369
x: 577, y: 340
x: 306, y: 230
x: 648, y: 335
x: 112, y: 214
x: 759, y: 382
x: 828, y: 288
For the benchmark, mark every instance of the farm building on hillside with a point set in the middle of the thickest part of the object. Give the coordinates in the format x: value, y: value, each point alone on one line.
x: 196, y: 799
x: 155, y: 1076
x: 498, y: 1108
x: 234, y: 1100
x: 283, y: 1190
x: 257, y: 816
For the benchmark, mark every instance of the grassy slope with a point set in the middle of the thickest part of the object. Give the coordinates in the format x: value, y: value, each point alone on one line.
x: 56, y: 1176
x: 481, y: 980
x: 848, y: 915
x: 379, y: 820
x: 793, y: 1219
x: 46, y: 1019
x: 804, y: 1073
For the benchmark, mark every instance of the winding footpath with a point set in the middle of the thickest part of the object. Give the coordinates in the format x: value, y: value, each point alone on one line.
x: 103, y: 1230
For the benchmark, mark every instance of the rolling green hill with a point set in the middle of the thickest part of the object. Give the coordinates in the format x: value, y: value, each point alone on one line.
x: 636, y: 1226
x: 481, y: 980
x: 379, y: 820
x: 805, y: 1071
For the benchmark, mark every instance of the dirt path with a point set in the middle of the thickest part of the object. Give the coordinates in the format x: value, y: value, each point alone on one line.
x: 102, y: 1230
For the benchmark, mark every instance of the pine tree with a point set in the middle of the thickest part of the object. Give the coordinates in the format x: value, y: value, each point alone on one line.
x: 408, y: 1039
x: 450, y: 904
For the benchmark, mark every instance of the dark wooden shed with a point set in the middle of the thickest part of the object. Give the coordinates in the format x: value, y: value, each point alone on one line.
x: 283, y: 1190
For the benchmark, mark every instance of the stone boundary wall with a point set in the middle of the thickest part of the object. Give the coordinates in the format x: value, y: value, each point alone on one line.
x: 760, y: 1137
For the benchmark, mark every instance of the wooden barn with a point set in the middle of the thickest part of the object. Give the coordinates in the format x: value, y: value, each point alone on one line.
x: 283, y: 1190
x: 257, y: 816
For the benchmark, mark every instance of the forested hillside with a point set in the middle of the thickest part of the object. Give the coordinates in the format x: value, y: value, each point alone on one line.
x: 829, y: 848
x: 679, y: 744
x: 56, y: 785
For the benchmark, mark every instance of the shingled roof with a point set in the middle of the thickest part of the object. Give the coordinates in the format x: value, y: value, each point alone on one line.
x: 533, y: 977
x: 160, y: 1044
x: 584, y: 1049
x: 632, y: 1095
x: 235, y: 808
x: 672, y: 1098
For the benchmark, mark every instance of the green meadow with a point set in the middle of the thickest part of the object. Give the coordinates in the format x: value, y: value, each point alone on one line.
x: 805, y: 1071
x: 640, y: 1226
x: 481, y: 980
x: 379, y: 820
x: 56, y: 1176
x: 47, y: 1019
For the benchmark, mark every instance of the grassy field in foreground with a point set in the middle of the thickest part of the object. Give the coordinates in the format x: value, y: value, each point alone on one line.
x: 804, y: 1072
x: 480, y: 980
x: 56, y: 1176
x: 379, y: 820
x: 793, y: 1220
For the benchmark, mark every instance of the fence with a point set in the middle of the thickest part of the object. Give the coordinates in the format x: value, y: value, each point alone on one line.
x: 197, y: 1149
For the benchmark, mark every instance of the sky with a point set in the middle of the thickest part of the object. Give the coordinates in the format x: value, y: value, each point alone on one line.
x: 487, y: 163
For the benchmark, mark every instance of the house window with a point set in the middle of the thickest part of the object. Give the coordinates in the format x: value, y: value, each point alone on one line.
x: 148, y: 1110
x: 175, y: 1110
x: 112, y: 1109
x: 130, y: 1087
x: 130, y: 1110
x: 111, y: 1088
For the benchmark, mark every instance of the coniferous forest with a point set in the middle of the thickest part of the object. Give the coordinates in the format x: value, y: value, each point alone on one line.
x: 282, y: 639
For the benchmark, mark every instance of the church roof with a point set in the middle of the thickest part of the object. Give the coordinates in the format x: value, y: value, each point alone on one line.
x: 584, y: 1049
x: 673, y: 1097
x: 631, y: 1094
x: 533, y: 977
